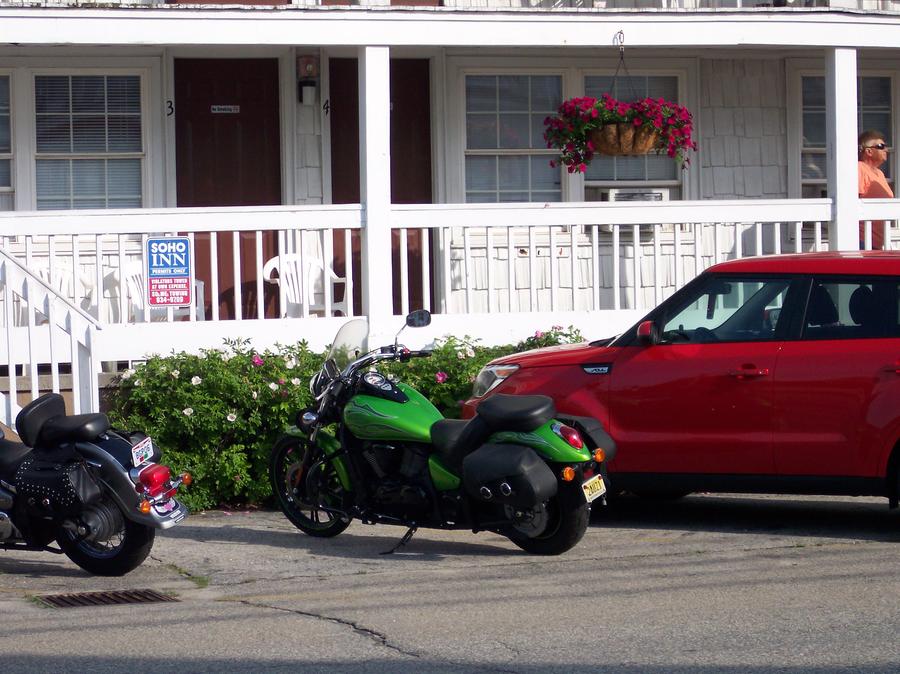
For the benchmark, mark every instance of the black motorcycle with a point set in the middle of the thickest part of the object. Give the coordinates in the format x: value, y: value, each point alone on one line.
x: 100, y: 494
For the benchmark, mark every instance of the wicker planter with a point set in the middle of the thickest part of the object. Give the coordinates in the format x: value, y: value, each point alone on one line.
x: 624, y: 139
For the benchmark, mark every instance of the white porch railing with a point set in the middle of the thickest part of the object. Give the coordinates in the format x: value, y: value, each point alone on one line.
x: 281, y: 274
x: 45, y: 334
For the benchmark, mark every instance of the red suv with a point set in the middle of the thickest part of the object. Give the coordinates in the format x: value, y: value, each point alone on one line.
x: 775, y: 374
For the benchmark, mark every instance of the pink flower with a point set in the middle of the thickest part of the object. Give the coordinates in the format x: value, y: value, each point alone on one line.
x: 538, y: 334
x: 440, y: 377
x: 257, y: 361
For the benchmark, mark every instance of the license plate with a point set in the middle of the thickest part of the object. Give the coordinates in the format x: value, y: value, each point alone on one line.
x: 593, y: 488
x: 141, y: 452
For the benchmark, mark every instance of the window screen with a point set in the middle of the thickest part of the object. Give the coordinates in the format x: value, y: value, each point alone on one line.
x: 506, y: 156
x: 89, y: 141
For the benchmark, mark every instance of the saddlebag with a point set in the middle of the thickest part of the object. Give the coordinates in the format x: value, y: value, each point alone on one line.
x: 56, y: 484
x: 508, y: 474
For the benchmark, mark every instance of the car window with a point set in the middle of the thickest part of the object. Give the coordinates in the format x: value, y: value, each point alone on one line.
x: 851, y: 309
x: 727, y: 309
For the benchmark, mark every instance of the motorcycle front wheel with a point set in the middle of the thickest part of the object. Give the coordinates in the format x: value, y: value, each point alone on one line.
x: 562, y: 522
x: 123, y: 551
x: 303, y: 482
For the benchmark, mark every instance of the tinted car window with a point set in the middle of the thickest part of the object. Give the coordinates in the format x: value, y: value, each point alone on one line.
x: 727, y: 309
x: 851, y: 309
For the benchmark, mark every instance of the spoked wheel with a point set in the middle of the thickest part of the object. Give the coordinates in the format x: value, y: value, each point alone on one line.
x: 554, y: 528
x: 303, y: 482
x: 120, y: 549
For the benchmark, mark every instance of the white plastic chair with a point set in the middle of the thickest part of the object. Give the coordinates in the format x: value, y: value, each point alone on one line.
x: 135, y: 286
x: 297, y: 293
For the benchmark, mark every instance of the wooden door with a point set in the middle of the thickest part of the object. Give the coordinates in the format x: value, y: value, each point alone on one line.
x: 410, y: 157
x: 228, y: 153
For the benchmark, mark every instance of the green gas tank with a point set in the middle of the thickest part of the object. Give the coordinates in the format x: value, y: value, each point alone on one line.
x: 384, y: 410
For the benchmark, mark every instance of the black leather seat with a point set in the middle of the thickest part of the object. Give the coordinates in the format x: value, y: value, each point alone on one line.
x: 453, y: 439
x: 11, y: 455
x: 78, y: 427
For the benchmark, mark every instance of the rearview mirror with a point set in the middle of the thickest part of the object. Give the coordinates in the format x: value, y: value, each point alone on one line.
x: 419, y: 318
x: 647, y: 333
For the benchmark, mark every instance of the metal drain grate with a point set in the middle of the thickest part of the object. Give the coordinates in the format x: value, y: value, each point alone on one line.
x: 81, y: 599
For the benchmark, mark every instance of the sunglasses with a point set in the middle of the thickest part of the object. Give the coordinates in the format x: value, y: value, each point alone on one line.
x: 877, y: 146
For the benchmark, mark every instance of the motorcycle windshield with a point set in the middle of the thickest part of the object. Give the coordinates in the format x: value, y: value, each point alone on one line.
x: 349, y: 342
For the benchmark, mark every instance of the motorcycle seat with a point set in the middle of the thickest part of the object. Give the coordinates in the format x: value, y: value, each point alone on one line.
x: 78, y: 427
x: 11, y: 455
x: 453, y: 439
x: 503, y: 412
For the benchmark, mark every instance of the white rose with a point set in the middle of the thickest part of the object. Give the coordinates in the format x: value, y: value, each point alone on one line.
x: 255, y: 395
x: 290, y: 363
x: 273, y: 386
x: 127, y: 374
x: 232, y: 417
x: 195, y: 380
x: 187, y: 411
x: 295, y: 381
x: 175, y: 373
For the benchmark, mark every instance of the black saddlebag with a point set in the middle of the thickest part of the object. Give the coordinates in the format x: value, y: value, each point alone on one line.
x: 508, y: 474
x: 56, y: 485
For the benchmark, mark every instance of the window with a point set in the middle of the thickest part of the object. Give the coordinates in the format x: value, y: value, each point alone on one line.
x: 506, y: 158
x: 6, y: 187
x: 727, y: 310
x: 651, y: 169
x: 874, y: 112
x: 89, y: 141
x: 852, y: 309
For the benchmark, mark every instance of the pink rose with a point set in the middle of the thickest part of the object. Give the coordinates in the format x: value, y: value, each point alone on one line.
x: 440, y: 377
x: 257, y: 361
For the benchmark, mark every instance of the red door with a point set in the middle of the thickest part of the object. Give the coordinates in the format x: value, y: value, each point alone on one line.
x: 681, y: 408
x: 837, y: 388
x: 410, y: 157
x: 228, y: 153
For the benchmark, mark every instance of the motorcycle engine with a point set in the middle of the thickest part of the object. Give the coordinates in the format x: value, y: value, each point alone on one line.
x: 395, y: 470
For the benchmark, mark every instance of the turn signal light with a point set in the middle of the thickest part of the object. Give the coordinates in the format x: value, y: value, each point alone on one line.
x: 568, y: 474
x: 599, y: 455
x: 144, y: 507
x: 187, y: 479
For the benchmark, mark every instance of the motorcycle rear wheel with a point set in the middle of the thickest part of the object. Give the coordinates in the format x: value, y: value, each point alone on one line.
x: 122, y: 552
x: 567, y: 522
x: 291, y: 466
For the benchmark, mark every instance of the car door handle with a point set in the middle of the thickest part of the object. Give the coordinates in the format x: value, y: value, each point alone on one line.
x: 749, y: 372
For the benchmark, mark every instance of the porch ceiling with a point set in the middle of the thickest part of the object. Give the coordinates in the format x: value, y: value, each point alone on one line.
x: 290, y: 26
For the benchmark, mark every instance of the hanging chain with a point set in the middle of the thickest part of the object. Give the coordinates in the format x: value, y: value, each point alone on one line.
x: 619, y: 40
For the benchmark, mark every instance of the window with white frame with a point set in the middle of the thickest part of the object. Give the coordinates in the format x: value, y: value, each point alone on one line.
x: 89, y: 147
x: 638, y: 175
x: 506, y: 158
x: 6, y: 157
x: 873, y: 112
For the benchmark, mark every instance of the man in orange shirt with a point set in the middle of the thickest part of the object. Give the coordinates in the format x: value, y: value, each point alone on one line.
x: 872, y: 183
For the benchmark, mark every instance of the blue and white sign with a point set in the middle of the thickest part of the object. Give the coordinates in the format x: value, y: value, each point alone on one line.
x: 169, y: 274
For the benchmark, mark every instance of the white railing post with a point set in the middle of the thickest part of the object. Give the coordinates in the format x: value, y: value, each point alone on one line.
x: 375, y: 189
x: 841, y: 157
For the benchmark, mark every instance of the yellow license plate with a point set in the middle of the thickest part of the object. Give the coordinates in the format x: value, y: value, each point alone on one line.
x: 593, y: 488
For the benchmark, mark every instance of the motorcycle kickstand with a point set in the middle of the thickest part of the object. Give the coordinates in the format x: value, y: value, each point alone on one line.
x: 407, y: 537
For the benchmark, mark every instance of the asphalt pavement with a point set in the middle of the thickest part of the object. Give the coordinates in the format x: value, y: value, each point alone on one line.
x: 705, y: 584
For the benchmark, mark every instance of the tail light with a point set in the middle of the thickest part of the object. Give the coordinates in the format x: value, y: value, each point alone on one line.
x: 154, y: 479
x: 570, y: 435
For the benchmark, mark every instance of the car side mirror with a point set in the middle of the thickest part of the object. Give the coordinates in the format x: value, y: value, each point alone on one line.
x: 647, y: 333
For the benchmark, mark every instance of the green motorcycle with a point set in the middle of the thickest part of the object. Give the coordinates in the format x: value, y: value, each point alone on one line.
x: 377, y: 450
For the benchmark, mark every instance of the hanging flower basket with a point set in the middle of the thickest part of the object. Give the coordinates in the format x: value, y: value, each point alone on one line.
x: 624, y: 139
x: 586, y: 126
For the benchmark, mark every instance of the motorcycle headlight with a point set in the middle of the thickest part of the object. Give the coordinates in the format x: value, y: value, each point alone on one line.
x: 490, y: 377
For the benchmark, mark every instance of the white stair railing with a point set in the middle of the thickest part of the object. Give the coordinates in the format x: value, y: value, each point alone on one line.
x: 44, y: 330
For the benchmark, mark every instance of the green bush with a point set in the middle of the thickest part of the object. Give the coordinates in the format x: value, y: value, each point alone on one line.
x: 217, y: 414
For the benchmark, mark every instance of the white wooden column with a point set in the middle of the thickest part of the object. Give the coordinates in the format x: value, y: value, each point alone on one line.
x: 840, y: 123
x: 375, y: 190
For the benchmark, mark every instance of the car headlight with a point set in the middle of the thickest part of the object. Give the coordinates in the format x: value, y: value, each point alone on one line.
x: 490, y: 377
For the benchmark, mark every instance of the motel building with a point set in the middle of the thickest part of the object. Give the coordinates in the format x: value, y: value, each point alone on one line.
x: 320, y: 159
